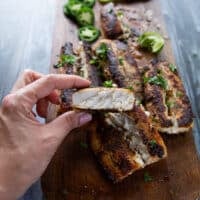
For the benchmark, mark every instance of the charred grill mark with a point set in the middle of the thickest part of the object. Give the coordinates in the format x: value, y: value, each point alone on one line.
x: 173, y: 113
x: 121, y: 45
x: 113, y: 66
x: 93, y: 72
x: 66, y: 94
x: 186, y: 119
x: 148, y: 133
x: 112, y: 151
x: 110, y: 23
x: 155, y: 150
x: 130, y: 59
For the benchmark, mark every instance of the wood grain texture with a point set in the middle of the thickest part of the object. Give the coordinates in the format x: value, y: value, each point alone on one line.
x: 75, y: 174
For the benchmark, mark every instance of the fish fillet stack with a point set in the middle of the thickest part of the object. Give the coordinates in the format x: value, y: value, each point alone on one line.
x: 125, y: 133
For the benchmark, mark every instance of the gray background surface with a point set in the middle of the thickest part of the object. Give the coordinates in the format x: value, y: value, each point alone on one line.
x: 26, y: 40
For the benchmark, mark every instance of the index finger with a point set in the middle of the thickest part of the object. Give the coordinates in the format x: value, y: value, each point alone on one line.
x: 45, y: 85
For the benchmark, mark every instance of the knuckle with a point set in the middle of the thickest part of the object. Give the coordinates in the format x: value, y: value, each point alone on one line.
x: 9, y: 101
x: 49, y: 78
x: 27, y: 72
x: 72, y: 121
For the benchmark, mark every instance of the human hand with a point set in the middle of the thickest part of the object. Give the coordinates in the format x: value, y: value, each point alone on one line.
x: 27, y: 146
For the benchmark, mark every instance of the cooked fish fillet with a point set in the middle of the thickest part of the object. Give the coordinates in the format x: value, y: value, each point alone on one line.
x: 110, y: 23
x: 170, y: 108
x: 81, y: 67
x: 86, y: 70
x: 129, y: 32
x: 126, y: 143
x: 121, y: 67
x: 118, y: 99
x: 66, y: 94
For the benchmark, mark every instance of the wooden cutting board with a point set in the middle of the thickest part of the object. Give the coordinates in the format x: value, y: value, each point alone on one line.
x: 74, y: 173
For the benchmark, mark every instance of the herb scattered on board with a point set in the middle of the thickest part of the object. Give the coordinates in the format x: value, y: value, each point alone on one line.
x: 83, y: 145
x: 172, y: 67
x: 121, y: 61
x: 108, y: 84
x: 156, y: 80
x: 147, y: 177
x: 170, y: 104
x: 120, y: 14
x: 66, y: 59
x: 152, y: 143
x: 138, y: 102
x: 101, y: 51
x: 129, y: 87
x: 179, y: 94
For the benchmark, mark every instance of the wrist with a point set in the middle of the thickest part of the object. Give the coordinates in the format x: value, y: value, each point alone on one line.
x: 12, y: 184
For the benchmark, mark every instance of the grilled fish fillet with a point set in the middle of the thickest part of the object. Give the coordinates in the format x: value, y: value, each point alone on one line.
x: 121, y: 67
x: 124, y: 144
x: 129, y: 32
x: 170, y: 108
x: 110, y: 24
x: 66, y: 94
x: 116, y: 99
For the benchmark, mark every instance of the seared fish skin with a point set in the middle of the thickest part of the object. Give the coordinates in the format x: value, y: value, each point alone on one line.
x: 170, y: 108
x: 121, y: 67
x: 66, y: 94
x: 123, y: 148
x: 110, y: 24
x: 116, y: 99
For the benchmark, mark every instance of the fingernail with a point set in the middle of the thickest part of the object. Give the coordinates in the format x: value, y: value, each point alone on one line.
x: 84, y: 118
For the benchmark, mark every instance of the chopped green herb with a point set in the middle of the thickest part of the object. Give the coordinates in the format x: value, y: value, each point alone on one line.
x: 172, y: 67
x: 66, y: 59
x: 152, y: 143
x: 179, y: 94
x: 121, y: 61
x: 154, y: 119
x: 138, y: 102
x: 147, y: 177
x: 157, y: 80
x: 152, y: 41
x: 83, y: 145
x: 94, y: 60
x: 170, y: 104
x: 120, y: 14
x: 108, y: 84
x: 101, y: 51
x: 129, y: 87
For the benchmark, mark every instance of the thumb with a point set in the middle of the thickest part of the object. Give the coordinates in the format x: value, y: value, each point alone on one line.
x: 62, y: 125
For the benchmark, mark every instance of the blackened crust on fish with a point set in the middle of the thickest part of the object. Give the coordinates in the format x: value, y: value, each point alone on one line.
x: 67, y: 49
x: 66, y: 94
x: 112, y: 151
x: 130, y: 59
x: 92, y: 70
x: 186, y: 119
x: 170, y: 108
x: 154, y: 100
x: 147, y: 132
x: 110, y: 23
x: 113, y: 67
